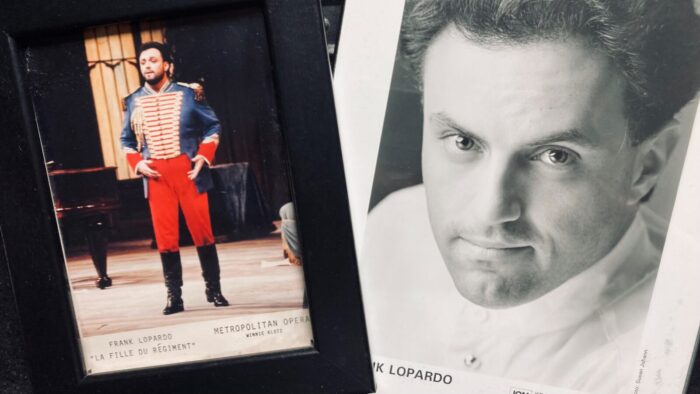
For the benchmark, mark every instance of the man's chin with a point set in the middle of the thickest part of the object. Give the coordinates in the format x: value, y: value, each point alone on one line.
x: 490, y: 290
x: 154, y: 80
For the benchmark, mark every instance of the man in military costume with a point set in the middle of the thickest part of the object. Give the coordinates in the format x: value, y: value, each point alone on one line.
x: 170, y: 135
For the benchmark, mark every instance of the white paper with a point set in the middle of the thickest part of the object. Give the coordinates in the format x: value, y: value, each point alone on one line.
x: 365, y: 61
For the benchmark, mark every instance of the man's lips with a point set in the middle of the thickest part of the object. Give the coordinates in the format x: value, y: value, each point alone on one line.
x: 482, y: 249
x: 493, y: 244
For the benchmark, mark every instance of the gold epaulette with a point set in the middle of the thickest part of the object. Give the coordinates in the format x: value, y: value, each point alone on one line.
x: 198, y: 89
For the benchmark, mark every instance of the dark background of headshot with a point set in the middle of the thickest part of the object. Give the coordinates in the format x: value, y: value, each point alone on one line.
x: 226, y: 52
x: 398, y: 162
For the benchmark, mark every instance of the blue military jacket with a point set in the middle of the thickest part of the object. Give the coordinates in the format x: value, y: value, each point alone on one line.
x: 173, y: 121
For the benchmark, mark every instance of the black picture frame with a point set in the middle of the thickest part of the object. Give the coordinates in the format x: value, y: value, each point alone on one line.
x: 340, y: 361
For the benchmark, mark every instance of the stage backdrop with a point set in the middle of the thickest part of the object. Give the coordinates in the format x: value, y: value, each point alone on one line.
x: 232, y: 63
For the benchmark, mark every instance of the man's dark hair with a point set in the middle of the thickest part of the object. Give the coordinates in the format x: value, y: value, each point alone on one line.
x: 655, y: 44
x: 162, y: 48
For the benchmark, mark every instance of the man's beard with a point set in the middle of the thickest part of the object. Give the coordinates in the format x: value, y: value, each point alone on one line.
x: 156, y: 80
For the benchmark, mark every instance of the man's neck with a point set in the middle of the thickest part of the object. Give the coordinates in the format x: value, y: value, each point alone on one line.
x: 158, y: 86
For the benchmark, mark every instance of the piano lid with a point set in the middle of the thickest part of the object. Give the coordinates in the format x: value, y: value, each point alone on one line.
x: 84, y: 189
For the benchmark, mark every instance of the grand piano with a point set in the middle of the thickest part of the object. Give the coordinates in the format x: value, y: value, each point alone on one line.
x: 87, y: 200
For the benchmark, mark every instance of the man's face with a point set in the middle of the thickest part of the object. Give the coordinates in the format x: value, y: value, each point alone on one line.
x: 152, y: 65
x: 526, y: 164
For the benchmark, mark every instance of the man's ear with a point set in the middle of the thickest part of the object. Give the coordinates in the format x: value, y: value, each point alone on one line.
x: 654, y: 153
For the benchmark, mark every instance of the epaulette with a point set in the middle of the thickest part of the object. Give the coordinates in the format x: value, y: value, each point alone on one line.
x: 198, y: 89
x: 126, y: 98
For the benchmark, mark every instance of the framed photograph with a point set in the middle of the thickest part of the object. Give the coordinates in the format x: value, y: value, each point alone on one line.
x: 525, y: 173
x: 177, y: 217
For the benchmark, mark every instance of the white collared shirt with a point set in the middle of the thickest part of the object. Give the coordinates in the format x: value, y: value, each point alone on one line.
x: 583, y: 335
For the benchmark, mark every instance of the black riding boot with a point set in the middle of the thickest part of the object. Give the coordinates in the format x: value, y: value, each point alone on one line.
x: 172, y: 272
x: 209, y: 260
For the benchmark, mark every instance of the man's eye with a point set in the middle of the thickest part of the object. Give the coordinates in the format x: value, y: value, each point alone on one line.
x: 459, y: 145
x: 464, y: 142
x: 556, y: 157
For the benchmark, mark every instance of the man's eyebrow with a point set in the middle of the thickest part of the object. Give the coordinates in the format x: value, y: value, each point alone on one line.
x: 571, y: 135
x: 446, y: 120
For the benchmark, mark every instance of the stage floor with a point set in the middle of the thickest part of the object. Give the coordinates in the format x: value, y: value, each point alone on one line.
x: 138, y: 294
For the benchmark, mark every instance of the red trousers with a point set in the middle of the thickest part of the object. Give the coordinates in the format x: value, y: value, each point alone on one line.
x: 166, y: 193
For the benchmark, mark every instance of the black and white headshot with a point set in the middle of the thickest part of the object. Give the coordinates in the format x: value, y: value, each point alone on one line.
x: 514, y: 229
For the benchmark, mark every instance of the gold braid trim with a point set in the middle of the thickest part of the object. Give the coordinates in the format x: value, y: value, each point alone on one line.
x: 137, y: 125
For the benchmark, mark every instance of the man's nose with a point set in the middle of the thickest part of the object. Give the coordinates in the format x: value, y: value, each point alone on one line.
x: 498, y: 198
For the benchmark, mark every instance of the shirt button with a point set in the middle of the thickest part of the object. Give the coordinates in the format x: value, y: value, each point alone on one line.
x: 471, y: 361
